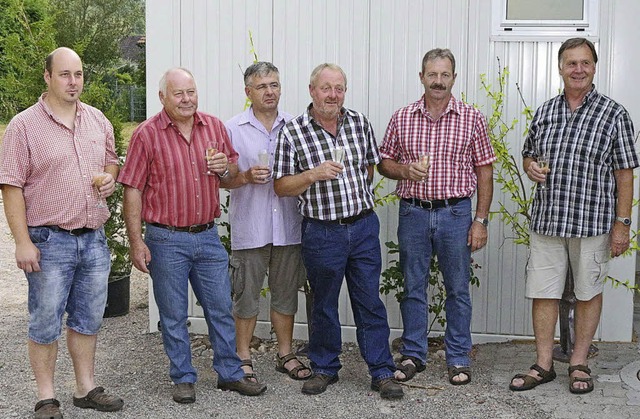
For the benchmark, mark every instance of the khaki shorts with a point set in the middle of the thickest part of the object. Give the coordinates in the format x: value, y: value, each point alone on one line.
x: 552, y: 259
x: 285, y: 274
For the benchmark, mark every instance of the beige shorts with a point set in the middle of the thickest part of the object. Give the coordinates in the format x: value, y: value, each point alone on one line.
x: 286, y: 274
x: 552, y: 259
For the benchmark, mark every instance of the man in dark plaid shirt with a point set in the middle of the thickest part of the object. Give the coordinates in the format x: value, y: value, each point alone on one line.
x: 581, y: 211
x: 340, y: 230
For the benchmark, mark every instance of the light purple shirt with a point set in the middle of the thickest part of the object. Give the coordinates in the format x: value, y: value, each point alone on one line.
x: 257, y: 215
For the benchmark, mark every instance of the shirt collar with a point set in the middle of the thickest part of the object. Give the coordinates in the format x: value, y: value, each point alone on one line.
x: 165, y: 121
x: 249, y: 117
x: 307, y: 118
x: 453, y: 106
x: 590, y: 96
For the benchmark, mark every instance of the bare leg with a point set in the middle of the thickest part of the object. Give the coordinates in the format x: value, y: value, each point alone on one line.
x: 244, y: 334
x: 283, y: 326
x: 82, y: 349
x: 43, y: 363
x: 545, y: 317
x: 586, y: 324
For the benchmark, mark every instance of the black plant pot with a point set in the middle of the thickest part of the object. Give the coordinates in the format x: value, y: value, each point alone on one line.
x: 118, y: 297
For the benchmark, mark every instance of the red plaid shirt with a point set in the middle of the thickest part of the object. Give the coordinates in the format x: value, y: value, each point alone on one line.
x: 54, y: 165
x: 457, y: 141
x: 171, y: 171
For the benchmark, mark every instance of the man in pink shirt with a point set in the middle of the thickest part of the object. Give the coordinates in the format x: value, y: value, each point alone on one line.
x: 57, y: 166
x: 174, y: 189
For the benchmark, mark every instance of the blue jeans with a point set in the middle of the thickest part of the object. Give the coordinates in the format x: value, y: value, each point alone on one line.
x: 332, y: 252
x: 178, y: 258
x: 73, y: 277
x: 421, y: 234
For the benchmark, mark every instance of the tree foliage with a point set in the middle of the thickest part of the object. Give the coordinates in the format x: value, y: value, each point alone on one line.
x: 26, y: 37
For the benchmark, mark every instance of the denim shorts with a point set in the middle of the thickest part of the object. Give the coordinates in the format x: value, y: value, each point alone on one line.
x: 73, y: 278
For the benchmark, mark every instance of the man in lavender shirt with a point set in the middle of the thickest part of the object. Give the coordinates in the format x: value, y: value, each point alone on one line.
x: 265, y: 229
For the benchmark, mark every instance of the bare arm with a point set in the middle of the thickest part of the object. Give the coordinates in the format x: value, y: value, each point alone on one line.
x: 294, y: 185
x: 477, y: 238
x: 393, y: 170
x: 27, y: 254
x: 620, y: 232
x: 140, y: 254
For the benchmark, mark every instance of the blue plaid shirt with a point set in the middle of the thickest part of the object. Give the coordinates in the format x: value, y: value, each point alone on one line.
x: 303, y: 144
x: 584, y: 149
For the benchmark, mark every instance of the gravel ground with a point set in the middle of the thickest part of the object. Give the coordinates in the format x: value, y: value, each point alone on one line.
x: 131, y: 363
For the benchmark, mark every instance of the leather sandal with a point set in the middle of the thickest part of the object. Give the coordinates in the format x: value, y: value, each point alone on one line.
x: 573, y: 380
x: 249, y: 375
x: 454, y: 371
x: 531, y: 381
x: 294, y: 372
x: 48, y: 409
x: 409, y: 370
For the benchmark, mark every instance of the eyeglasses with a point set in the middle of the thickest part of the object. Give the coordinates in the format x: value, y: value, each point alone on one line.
x: 337, y: 89
x: 264, y: 86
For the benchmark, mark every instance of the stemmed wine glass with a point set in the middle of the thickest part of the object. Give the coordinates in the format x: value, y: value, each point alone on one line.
x: 543, y: 164
x: 263, y: 159
x: 425, y: 162
x: 209, y: 153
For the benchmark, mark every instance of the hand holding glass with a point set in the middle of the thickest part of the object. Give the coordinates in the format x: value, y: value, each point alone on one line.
x: 263, y: 159
x: 96, y: 181
x: 425, y: 162
x: 543, y: 164
x: 211, y: 151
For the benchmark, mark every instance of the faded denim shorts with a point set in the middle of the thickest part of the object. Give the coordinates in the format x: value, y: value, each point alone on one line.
x: 73, y: 278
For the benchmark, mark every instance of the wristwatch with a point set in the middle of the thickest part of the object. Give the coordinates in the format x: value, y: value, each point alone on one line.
x: 226, y: 172
x: 483, y: 221
x: 624, y: 220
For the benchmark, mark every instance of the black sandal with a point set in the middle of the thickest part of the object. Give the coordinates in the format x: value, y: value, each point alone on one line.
x: 454, y: 371
x: 48, y: 409
x: 409, y: 370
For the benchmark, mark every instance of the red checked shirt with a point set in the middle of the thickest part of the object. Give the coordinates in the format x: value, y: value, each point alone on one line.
x: 171, y: 171
x: 457, y: 142
x: 54, y: 165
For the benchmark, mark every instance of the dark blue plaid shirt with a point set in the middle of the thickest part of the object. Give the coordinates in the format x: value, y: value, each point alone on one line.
x: 303, y: 144
x: 584, y: 149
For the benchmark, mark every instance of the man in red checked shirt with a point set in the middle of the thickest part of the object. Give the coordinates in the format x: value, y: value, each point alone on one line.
x: 439, y: 151
x: 172, y: 178
x: 51, y: 154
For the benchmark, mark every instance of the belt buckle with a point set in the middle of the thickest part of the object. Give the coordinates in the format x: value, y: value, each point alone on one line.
x: 194, y: 229
x: 342, y: 222
x: 426, y: 204
x: 75, y: 232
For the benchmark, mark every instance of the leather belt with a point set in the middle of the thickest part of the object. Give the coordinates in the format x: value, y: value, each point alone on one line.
x: 347, y: 220
x: 197, y: 228
x: 435, y: 204
x: 74, y: 232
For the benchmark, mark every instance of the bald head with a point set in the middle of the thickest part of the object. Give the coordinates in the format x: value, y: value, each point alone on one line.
x: 62, y: 52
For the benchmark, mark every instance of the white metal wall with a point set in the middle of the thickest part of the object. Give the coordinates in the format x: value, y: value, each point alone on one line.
x: 380, y: 45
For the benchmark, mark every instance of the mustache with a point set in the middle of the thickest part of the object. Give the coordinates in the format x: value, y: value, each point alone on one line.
x: 437, y: 86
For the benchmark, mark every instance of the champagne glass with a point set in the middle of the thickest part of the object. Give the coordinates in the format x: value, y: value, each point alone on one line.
x: 96, y: 181
x: 209, y: 153
x: 425, y: 162
x: 263, y: 159
x: 543, y: 164
x: 337, y: 155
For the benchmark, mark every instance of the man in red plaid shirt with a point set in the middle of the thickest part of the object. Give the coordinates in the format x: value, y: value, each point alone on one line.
x: 439, y: 151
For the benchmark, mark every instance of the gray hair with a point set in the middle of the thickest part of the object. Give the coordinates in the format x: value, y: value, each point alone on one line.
x: 439, y: 53
x: 316, y: 72
x: 163, y: 79
x: 261, y: 68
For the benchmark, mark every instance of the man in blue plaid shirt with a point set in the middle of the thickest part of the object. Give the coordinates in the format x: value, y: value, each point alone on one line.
x: 340, y: 230
x: 581, y: 211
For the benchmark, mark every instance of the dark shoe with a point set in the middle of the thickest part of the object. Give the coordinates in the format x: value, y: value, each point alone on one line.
x: 388, y: 388
x: 184, y: 393
x: 530, y: 381
x: 454, y: 371
x: 243, y: 386
x: 48, y: 409
x: 409, y: 369
x: 318, y: 383
x: 573, y: 380
x: 99, y: 400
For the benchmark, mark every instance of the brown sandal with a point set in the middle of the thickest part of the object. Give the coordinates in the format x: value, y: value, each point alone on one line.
x: 409, y: 370
x: 531, y: 381
x: 249, y: 375
x: 573, y: 380
x: 294, y: 372
x: 454, y: 371
x: 48, y: 409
